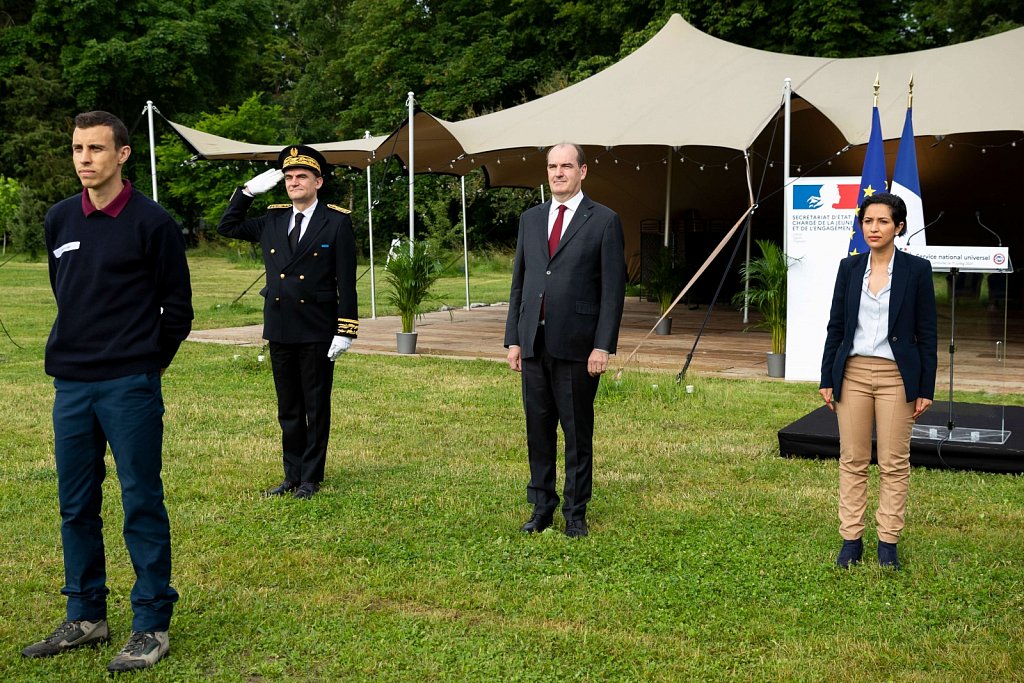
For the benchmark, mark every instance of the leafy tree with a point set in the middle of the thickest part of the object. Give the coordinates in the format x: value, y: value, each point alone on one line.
x: 10, y: 198
x: 27, y: 227
x: 199, y: 191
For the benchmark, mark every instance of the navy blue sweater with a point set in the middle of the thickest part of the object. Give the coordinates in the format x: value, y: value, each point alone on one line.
x: 124, y: 298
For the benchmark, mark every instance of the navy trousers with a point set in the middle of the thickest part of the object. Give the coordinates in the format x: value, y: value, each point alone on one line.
x: 126, y: 412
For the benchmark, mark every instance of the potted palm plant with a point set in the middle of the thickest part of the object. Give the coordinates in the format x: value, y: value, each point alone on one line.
x: 664, y: 280
x: 411, y: 272
x: 766, y: 278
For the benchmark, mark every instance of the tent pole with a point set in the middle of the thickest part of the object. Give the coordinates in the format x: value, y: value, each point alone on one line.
x: 668, y: 195
x: 542, y: 200
x: 411, y: 102
x: 750, y: 219
x: 465, y: 241
x: 152, y: 147
x: 787, y: 98
x: 369, y: 222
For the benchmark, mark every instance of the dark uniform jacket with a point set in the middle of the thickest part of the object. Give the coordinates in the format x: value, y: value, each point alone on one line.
x: 310, y: 295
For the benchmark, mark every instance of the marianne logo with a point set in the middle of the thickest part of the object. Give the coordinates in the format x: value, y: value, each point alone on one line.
x: 825, y: 197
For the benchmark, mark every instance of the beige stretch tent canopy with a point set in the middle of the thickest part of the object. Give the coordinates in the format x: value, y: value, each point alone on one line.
x: 684, y: 87
x: 353, y: 153
x: 711, y: 100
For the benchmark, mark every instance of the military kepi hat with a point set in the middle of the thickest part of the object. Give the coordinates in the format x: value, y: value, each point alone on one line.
x: 302, y: 156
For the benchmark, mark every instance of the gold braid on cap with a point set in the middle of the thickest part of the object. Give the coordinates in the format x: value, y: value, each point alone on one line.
x: 296, y: 159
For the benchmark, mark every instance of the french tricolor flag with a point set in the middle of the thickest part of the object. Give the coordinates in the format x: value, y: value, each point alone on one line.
x: 906, y: 184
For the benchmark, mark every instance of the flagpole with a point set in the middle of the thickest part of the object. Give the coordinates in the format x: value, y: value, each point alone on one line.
x: 787, y: 97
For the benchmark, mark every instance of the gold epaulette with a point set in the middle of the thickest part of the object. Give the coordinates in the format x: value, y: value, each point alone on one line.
x: 347, y: 327
x: 279, y: 206
x: 338, y: 208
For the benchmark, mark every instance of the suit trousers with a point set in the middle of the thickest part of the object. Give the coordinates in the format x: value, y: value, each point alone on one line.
x: 558, y: 391
x: 126, y: 412
x: 873, y: 396
x: 303, y: 378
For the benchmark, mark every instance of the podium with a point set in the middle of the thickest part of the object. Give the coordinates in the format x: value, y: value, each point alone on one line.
x: 956, y: 260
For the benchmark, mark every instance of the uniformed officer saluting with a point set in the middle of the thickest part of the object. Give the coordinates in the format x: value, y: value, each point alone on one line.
x: 310, y: 315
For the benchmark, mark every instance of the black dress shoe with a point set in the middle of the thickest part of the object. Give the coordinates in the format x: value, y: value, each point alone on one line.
x: 536, y: 524
x: 306, y: 490
x: 286, y: 486
x: 576, y: 528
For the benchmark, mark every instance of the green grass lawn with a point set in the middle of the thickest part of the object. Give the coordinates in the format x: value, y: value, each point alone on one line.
x: 217, y: 283
x: 710, y: 558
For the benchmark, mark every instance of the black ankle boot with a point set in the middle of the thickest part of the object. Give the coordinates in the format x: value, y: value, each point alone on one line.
x: 887, y: 555
x: 850, y: 553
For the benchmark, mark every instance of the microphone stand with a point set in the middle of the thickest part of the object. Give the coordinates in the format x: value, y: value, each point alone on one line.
x: 953, y: 272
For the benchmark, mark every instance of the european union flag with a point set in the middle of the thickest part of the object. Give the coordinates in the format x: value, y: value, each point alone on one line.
x: 872, y: 179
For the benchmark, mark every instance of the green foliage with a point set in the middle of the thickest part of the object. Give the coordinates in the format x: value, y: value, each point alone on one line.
x: 767, y: 275
x: 27, y: 233
x: 10, y: 199
x: 411, y: 273
x: 199, y: 192
x: 664, y: 279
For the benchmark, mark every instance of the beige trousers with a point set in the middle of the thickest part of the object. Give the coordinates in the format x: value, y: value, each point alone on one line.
x: 873, y: 396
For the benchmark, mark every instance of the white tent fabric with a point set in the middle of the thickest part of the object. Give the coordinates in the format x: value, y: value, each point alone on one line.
x: 358, y: 153
x: 684, y: 87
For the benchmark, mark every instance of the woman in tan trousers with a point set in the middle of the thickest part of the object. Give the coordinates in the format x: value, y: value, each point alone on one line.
x: 878, y: 371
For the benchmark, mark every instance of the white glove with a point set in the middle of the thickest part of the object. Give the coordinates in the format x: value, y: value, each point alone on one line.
x: 339, y: 346
x: 264, y: 181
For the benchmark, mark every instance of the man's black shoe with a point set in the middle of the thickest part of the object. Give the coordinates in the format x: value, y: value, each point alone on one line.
x: 536, y: 524
x: 576, y: 528
x: 306, y: 490
x: 286, y: 486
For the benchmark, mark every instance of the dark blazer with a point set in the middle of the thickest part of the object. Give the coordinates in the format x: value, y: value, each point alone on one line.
x: 583, y: 285
x: 912, y: 323
x: 310, y: 295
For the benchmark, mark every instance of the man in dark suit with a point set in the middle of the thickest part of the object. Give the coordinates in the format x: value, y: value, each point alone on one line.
x: 568, y: 287
x: 310, y: 316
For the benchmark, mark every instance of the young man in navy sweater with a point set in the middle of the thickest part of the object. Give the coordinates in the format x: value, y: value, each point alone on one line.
x: 124, y: 305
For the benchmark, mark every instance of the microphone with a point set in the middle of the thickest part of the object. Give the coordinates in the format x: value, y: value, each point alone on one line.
x: 937, y: 218
x: 977, y: 214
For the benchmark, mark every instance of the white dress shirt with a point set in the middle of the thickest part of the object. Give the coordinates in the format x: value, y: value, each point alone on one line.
x: 871, y: 338
x: 308, y: 213
x: 570, y: 211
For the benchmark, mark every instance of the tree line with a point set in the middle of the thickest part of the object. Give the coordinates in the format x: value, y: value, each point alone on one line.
x: 270, y: 71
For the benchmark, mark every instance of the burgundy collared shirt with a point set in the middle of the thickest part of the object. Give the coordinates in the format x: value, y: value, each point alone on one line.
x: 113, y: 208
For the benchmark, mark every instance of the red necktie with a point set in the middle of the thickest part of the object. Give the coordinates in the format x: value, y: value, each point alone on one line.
x: 556, y: 231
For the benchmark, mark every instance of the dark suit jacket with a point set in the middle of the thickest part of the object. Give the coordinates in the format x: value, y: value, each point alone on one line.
x: 310, y: 296
x: 912, y: 323
x: 583, y: 285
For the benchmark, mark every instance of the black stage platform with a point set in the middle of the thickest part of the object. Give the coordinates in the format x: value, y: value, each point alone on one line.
x: 816, y: 435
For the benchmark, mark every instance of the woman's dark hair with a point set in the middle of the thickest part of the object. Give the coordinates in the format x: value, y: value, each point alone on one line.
x: 897, y: 207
